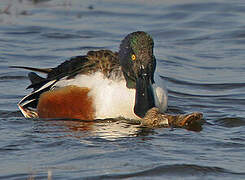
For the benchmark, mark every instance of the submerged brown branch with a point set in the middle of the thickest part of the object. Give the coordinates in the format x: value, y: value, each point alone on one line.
x: 154, y: 118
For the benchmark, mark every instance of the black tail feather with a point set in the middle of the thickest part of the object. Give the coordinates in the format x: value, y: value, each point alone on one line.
x: 34, y: 78
x: 36, y: 81
x: 41, y: 70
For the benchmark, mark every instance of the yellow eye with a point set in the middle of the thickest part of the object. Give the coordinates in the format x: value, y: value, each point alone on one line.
x: 133, y: 57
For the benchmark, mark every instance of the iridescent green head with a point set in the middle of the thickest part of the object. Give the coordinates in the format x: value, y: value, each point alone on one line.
x: 138, y: 65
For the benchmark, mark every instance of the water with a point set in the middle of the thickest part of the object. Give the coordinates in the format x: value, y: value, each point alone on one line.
x: 200, y: 50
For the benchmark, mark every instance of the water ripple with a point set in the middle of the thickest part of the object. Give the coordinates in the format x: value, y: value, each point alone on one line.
x: 10, y: 114
x: 12, y: 77
x: 213, y: 86
x: 176, y: 170
x: 231, y: 121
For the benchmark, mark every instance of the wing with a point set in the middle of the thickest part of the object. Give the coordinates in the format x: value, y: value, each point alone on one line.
x: 104, y: 61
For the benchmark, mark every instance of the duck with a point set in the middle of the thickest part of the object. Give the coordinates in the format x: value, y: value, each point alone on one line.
x: 99, y: 85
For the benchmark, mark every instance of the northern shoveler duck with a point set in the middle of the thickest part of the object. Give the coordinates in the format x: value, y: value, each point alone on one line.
x: 102, y: 84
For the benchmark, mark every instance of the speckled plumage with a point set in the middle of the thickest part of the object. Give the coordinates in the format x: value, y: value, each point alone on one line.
x: 104, y: 61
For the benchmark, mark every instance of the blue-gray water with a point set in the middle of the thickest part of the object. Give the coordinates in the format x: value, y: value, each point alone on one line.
x: 200, y: 48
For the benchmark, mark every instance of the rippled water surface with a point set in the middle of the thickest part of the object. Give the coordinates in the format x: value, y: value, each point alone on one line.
x: 200, y: 51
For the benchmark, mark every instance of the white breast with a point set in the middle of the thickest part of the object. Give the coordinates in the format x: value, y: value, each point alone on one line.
x: 160, y: 93
x: 112, y: 98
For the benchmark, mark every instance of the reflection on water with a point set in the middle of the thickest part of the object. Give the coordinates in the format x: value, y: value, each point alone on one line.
x: 110, y: 129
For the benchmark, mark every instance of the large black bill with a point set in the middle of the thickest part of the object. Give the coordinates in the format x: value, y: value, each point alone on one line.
x: 144, y: 98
